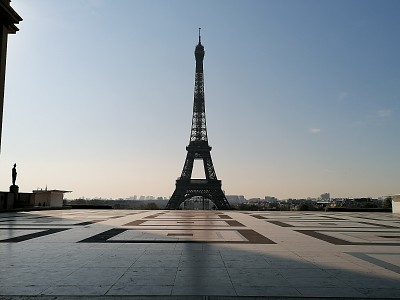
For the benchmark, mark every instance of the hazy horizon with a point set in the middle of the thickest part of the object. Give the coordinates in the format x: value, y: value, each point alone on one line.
x: 302, y: 97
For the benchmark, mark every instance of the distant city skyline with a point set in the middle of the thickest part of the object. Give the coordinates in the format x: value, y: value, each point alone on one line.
x: 302, y: 97
x: 324, y: 197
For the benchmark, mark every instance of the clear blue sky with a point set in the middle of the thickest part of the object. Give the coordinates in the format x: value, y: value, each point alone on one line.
x: 302, y: 97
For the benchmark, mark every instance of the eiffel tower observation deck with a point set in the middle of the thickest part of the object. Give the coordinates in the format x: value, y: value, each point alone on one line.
x: 198, y: 149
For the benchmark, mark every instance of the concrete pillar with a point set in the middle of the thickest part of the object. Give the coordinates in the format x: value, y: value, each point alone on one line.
x: 8, y: 19
x: 396, y: 204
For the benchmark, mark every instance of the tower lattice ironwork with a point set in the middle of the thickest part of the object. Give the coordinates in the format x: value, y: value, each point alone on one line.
x: 198, y: 149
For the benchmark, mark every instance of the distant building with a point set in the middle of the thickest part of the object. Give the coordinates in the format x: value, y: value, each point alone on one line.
x: 270, y: 199
x: 235, y: 199
x: 52, y: 198
x: 365, y: 202
x: 254, y: 200
x: 325, y: 197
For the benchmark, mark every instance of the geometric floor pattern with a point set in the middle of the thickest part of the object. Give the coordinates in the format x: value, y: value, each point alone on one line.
x: 199, y: 254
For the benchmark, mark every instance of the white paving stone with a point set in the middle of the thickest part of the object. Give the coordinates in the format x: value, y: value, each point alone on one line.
x: 167, y: 253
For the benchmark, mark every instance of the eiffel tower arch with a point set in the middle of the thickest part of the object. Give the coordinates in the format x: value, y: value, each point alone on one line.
x: 198, y: 149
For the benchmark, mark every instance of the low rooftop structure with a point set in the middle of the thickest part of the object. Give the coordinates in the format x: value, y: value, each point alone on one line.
x: 16, y: 200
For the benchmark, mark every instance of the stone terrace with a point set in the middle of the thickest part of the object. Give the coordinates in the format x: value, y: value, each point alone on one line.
x: 198, y: 254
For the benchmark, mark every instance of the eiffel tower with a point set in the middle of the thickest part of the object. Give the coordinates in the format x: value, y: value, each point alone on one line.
x: 198, y: 148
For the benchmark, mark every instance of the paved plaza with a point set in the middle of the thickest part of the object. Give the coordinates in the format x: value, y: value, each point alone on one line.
x: 198, y: 254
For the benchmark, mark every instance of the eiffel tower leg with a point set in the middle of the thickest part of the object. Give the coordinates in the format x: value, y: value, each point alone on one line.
x: 209, y: 167
x: 188, y: 166
x: 220, y: 201
x: 173, y: 202
x: 176, y: 199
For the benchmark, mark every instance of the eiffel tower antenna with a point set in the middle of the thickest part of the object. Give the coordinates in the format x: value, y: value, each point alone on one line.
x: 199, y: 149
x: 199, y: 36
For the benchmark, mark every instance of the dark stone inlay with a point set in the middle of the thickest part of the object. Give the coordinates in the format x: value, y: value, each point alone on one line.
x: 224, y: 217
x: 379, y: 225
x: 252, y: 237
x: 191, y: 216
x: 85, y: 223
x: 337, y: 241
x: 26, y: 237
x: 175, y: 225
x: 376, y: 261
x: 334, y: 218
x: 181, y: 219
x: 154, y: 216
x: 283, y: 224
x: 135, y: 223
x: 47, y: 224
x: 42, y: 224
x: 234, y: 223
x: 280, y: 223
x: 16, y: 216
x: 376, y: 219
x: 161, y: 228
x: 104, y: 236
x: 324, y: 237
x: 180, y: 234
x: 259, y: 217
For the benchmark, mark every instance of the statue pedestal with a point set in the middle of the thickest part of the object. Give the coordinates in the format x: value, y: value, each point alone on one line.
x: 14, y: 189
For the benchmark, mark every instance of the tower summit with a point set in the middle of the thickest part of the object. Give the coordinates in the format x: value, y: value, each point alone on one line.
x: 198, y: 148
x: 199, y: 55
